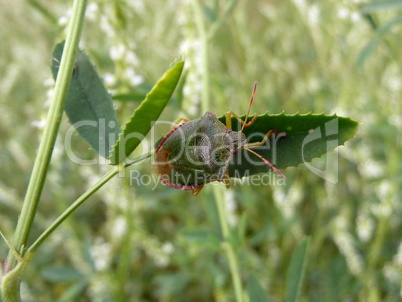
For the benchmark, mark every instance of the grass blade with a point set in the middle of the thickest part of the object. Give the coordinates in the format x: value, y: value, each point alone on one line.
x: 295, y: 273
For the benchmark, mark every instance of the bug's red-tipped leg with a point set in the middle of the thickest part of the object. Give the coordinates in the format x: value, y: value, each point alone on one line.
x: 245, y: 124
x: 279, y: 172
x: 267, y: 163
x: 251, y: 122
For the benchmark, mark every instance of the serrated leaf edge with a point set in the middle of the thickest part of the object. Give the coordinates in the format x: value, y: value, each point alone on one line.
x: 307, y: 114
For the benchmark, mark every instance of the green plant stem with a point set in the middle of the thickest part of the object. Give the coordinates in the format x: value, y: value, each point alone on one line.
x: 109, y: 175
x: 227, y: 243
x: 199, y: 21
x: 133, y: 161
x: 72, y: 208
x: 10, y: 283
x: 46, y: 146
x: 374, y: 256
x: 218, y: 23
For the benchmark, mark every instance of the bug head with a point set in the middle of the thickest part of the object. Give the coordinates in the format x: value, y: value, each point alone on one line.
x: 235, y: 140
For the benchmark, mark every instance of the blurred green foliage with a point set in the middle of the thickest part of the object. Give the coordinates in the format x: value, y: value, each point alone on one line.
x: 135, y: 243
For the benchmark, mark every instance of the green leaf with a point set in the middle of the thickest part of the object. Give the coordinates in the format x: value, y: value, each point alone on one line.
x: 295, y: 273
x: 149, y: 111
x: 380, y: 32
x: 307, y: 136
x: 367, y: 51
x: 88, y: 105
x: 254, y: 290
x: 381, y: 5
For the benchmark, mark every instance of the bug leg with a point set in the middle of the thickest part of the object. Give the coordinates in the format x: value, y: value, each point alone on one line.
x: 229, y: 115
x: 257, y: 144
x: 265, y: 138
x: 267, y: 163
x: 196, y: 191
x: 180, y: 121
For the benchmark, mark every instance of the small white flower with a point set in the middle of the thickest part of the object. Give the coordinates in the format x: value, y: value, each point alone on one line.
x: 137, y: 79
x: 398, y: 256
x: 117, y: 52
x: 100, y: 253
x: 119, y: 227
x: 63, y: 21
x: 396, y: 120
x: 168, y: 248
x: 91, y: 11
x: 109, y: 79
x: 49, y: 82
x: 372, y: 168
x: 49, y: 97
x: 138, y: 6
x: 391, y: 272
x: 355, y: 17
x: 105, y: 26
x: 39, y: 124
x: 343, y: 13
x: 134, y: 78
x: 132, y: 58
x: 314, y: 15
x: 365, y: 227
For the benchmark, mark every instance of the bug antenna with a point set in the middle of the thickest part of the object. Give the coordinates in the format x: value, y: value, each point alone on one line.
x: 267, y: 163
x: 249, y: 105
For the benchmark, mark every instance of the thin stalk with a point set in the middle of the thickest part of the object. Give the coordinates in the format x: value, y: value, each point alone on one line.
x: 138, y: 159
x: 200, y: 23
x: 71, y: 209
x: 46, y: 146
x: 218, y: 23
x: 10, y: 283
x: 373, y: 292
x: 228, y: 244
x: 109, y: 175
x: 122, y: 272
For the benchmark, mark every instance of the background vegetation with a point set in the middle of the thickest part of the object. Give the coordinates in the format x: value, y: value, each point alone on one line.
x: 132, y: 243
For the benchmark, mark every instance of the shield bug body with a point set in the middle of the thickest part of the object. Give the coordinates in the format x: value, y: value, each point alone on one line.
x: 198, y: 152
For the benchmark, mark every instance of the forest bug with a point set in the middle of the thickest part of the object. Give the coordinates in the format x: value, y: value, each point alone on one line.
x: 194, y: 153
